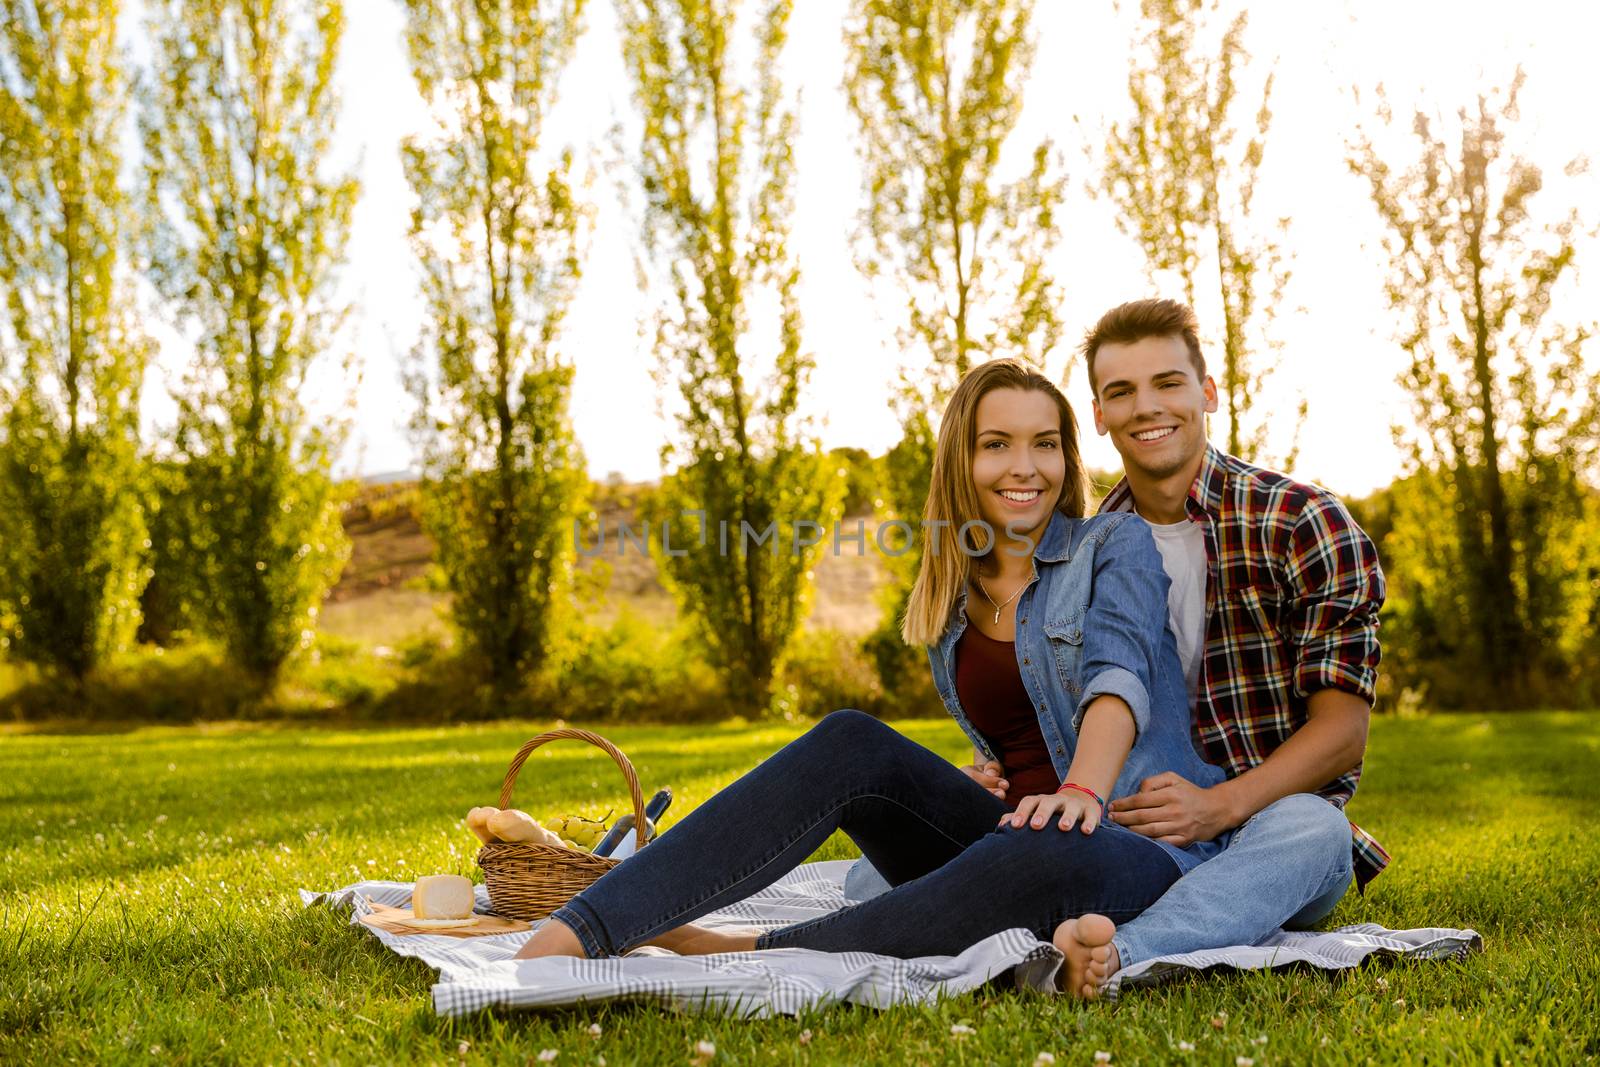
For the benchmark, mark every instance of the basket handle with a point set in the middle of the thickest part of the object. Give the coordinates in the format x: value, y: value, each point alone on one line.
x: 599, y: 742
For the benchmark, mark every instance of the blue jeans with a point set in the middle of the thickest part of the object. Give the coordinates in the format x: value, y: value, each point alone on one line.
x: 1287, y: 866
x: 932, y: 832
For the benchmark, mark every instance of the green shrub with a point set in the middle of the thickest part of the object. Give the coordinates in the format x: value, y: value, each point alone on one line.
x: 633, y: 671
x: 827, y: 670
x: 189, y: 683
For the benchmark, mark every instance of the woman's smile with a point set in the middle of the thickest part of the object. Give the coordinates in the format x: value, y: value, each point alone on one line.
x: 1020, y: 499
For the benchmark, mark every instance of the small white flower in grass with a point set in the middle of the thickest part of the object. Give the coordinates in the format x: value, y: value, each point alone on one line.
x: 1383, y: 983
x: 1219, y: 1020
x: 1262, y: 1040
x: 1243, y: 1061
x: 600, y: 1061
x: 1101, y: 1056
x: 461, y: 1049
x: 155, y: 1050
x: 1400, y: 1002
x: 38, y: 839
x: 1324, y: 1041
x: 805, y: 1037
x: 961, y: 1030
x: 372, y: 863
x: 1044, y: 1059
x: 1186, y: 1046
x: 704, y: 1052
x: 548, y: 1055
x: 594, y: 1030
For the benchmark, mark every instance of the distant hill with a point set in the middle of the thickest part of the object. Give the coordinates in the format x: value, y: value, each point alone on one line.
x: 383, y: 596
x: 388, y: 477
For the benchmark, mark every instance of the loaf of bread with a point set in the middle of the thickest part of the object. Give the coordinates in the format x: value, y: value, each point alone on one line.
x: 514, y: 826
x: 442, y: 896
x: 478, y: 823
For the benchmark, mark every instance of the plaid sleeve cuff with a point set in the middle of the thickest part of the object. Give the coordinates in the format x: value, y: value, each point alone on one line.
x: 1312, y: 675
x: 1118, y: 682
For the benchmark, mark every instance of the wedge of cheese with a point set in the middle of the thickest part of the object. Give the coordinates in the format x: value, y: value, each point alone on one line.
x: 442, y: 896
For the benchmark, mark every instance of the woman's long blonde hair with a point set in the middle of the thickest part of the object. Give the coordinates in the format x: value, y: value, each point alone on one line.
x: 953, y: 499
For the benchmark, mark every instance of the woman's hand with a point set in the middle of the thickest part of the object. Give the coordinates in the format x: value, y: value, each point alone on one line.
x: 1067, y: 809
x: 988, y: 775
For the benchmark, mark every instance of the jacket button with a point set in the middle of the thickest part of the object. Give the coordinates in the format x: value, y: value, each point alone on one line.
x: 1024, y: 661
x: 1060, y: 751
x: 1022, y: 621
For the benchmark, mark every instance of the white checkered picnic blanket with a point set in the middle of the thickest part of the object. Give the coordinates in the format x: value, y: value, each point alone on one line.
x: 479, y: 972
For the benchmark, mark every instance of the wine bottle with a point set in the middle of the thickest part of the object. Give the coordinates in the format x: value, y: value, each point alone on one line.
x: 621, y: 841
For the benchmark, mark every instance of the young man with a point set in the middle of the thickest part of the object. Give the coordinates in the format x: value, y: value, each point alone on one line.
x: 1274, y: 602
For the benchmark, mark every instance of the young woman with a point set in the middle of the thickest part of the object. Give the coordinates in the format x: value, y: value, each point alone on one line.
x: 1047, y: 633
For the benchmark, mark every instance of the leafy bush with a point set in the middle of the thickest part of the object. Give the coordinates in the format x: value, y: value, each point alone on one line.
x: 827, y: 670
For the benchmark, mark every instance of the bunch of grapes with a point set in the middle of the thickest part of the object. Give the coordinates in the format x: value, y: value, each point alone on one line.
x: 577, y: 831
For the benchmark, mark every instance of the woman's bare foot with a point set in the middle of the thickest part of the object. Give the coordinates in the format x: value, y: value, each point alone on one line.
x: 553, y: 938
x: 1091, y: 957
x: 691, y: 940
x: 556, y: 939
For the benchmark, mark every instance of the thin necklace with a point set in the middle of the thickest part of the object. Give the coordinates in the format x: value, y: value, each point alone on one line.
x: 998, y: 607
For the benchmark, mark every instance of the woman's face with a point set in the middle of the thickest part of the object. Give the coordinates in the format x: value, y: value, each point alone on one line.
x: 1018, y: 465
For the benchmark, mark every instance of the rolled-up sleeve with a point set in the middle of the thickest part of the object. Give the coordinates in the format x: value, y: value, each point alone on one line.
x: 1337, y: 587
x: 1125, y: 623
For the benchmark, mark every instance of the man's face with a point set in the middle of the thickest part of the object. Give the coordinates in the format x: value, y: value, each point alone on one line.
x: 1151, y: 403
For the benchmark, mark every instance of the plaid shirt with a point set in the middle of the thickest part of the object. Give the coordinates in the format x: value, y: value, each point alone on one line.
x: 1293, y: 589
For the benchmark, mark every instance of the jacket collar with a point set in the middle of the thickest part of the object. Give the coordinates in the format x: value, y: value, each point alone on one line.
x: 1054, y: 546
x: 1056, y: 542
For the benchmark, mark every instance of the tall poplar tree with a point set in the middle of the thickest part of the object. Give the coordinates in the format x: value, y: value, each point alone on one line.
x: 248, y: 226
x: 1496, y: 550
x: 71, y: 356
x: 716, y: 167
x: 1182, y: 172
x: 936, y: 88
x: 500, y: 244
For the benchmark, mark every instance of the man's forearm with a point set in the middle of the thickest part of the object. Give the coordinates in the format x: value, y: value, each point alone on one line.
x: 1330, y: 743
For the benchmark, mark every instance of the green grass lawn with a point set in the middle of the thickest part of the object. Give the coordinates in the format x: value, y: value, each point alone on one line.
x: 148, y: 909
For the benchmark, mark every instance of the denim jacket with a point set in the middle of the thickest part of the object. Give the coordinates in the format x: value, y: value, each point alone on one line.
x: 1093, y: 621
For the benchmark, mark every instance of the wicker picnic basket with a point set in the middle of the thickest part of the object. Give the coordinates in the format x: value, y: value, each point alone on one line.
x: 528, y: 881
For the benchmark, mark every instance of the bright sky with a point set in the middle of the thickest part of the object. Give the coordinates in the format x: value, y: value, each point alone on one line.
x: 1335, y: 333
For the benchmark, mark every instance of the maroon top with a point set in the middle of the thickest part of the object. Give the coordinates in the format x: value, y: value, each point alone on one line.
x: 989, y: 686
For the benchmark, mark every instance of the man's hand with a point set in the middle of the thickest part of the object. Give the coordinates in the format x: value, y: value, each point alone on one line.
x: 988, y: 775
x: 1170, y: 808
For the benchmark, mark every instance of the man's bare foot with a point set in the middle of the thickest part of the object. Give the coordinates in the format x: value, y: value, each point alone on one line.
x: 553, y: 938
x: 1091, y: 957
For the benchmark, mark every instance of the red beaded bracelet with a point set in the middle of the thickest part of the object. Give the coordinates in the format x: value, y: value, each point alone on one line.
x: 1084, y: 789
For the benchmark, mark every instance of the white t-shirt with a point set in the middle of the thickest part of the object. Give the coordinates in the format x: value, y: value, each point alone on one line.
x: 1183, y: 557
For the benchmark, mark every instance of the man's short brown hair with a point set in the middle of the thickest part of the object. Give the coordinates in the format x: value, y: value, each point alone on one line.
x: 1138, y: 319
